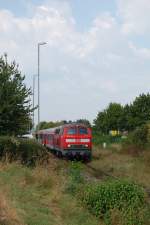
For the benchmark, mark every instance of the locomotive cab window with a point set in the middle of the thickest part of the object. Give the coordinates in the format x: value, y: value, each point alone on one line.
x: 83, y: 130
x: 71, y: 130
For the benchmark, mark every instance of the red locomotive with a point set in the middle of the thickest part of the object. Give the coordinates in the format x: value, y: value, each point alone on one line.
x: 71, y: 140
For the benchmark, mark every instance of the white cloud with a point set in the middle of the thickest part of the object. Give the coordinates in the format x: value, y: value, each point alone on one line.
x: 81, y: 72
x: 142, y: 53
x: 135, y: 15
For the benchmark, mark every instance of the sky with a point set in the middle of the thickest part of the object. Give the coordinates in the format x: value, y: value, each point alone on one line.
x: 97, y: 52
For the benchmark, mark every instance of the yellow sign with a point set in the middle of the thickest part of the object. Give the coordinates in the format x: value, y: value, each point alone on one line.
x: 115, y: 133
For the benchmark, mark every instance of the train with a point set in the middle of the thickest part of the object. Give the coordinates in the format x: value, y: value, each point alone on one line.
x: 69, y: 140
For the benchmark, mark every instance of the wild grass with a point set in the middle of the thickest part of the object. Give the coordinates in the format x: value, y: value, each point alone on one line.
x: 36, y: 196
x: 122, y: 164
x: 8, y: 213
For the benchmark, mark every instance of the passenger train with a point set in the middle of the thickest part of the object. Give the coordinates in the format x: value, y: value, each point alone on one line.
x: 72, y: 140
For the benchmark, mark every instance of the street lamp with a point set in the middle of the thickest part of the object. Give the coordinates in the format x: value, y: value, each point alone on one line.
x: 34, y: 76
x: 39, y: 44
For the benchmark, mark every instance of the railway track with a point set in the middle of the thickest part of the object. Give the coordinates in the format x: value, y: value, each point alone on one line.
x: 98, y: 174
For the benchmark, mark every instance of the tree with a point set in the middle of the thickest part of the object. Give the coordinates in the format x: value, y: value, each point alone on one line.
x: 100, y: 123
x: 15, y: 107
x: 110, y: 119
x: 138, y: 112
x: 129, y: 117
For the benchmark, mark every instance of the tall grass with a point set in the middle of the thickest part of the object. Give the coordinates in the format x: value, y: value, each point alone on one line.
x: 39, y: 197
x: 8, y: 213
x: 122, y: 198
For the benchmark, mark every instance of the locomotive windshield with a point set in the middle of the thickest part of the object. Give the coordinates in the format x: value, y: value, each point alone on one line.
x: 83, y: 130
x: 72, y: 130
x: 77, y: 130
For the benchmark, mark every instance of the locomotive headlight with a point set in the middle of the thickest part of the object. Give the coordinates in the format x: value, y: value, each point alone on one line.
x: 86, y: 140
x: 70, y: 140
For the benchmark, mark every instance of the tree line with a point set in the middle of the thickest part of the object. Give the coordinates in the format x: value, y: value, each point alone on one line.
x: 124, y: 118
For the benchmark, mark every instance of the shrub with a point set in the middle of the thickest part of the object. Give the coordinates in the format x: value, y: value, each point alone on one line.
x: 27, y: 151
x: 138, y: 138
x: 99, y: 139
x: 9, y: 147
x: 31, y: 152
x: 124, y: 196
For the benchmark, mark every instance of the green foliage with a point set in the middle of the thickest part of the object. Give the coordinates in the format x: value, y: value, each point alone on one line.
x: 9, y: 147
x: 137, y: 113
x: 110, y: 119
x: 31, y: 152
x: 75, y: 177
x: 137, y: 138
x: 15, y: 107
x: 128, y: 117
x: 140, y: 109
x: 27, y: 151
x: 99, y: 139
x: 37, y: 204
x: 126, y: 197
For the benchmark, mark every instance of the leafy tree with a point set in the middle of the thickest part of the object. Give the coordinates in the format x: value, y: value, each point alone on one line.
x: 100, y: 123
x: 129, y: 117
x: 139, y: 111
x: 110, y: 119
x: 15, y: 107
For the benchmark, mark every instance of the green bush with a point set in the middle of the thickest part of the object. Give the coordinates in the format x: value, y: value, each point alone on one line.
x: 99, y: 139
x: 9, y: 147
x: 138, y: 138
x: 25, y: 150
x: 124, y: 196
x: 31, y: 151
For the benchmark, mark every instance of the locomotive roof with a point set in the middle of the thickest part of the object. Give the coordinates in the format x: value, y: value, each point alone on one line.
x: 73, y: 124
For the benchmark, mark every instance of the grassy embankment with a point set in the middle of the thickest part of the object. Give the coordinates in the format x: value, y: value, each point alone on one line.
x: 38, y: 196
x: 123, y: 164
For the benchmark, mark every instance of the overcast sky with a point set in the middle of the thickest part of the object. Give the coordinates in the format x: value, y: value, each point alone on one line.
x: 97, y: 52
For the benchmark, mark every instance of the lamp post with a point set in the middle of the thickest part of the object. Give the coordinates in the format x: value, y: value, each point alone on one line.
x: 34, y: 76
x: 39, y: 44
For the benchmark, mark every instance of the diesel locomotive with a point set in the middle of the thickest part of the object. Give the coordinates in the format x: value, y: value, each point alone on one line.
x: 71, y: 140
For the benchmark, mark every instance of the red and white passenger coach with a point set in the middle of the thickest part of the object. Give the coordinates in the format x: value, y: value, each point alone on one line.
x: 71, y: 140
